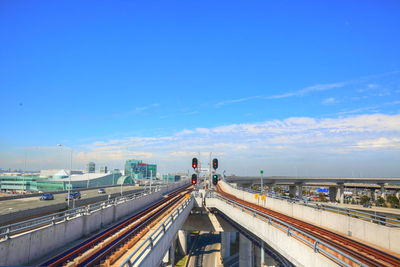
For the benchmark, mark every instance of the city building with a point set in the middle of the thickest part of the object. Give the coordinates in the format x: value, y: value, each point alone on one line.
x: 170, y: 178
x: 136, y: 169
x: 91, y: 167
x: 60, y: 181
x: 103, y: 169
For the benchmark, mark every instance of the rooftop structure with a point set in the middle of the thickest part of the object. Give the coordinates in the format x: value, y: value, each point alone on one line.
x: 136, y: 169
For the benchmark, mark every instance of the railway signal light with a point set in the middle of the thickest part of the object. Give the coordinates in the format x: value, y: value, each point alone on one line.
x: 215, y: 179
x: 194, y: 163
x: 215, y: 164
x: 194, y: 179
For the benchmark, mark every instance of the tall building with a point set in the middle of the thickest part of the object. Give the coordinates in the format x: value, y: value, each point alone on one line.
x: 91, y: 167
x: 103, y: 169
x: 136, y: 169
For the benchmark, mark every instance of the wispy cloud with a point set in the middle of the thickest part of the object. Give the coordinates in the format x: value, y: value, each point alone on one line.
x: 239, y: 100
x: 310, y: 89
x: 137, y: 110
x: 329, y: 101
x: 367, y: 81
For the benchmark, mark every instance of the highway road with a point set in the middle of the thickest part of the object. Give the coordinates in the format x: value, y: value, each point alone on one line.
x: 206, y: 251
x: 14, y: 205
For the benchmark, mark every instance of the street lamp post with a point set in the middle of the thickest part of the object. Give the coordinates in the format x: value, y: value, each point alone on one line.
x: 70, y: 174
x: 262, y: 186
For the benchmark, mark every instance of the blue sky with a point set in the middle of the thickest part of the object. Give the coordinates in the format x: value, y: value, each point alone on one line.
x: 307, y: 88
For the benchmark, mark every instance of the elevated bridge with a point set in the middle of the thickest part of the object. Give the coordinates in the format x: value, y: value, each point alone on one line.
x: 145, y: 229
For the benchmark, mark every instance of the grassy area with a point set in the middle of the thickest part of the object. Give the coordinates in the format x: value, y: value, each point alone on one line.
x: 182, y: 261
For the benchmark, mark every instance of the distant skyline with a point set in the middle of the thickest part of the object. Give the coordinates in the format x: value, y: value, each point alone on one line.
x: 305, y: 88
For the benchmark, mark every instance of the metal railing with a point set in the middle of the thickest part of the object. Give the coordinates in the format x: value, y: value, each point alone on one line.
x: 318, y: 245
x: 379, y: 219
x: 146, y: 246
x: 49, y: 220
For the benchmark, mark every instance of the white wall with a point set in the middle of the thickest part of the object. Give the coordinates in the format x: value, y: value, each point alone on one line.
x: 379, y: 235
x: 31, y: 246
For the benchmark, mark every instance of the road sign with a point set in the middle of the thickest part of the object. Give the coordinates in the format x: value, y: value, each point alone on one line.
x: 261, y: 171
x: 262, y: 197
x: 256, y: 196
x: 187, y: 195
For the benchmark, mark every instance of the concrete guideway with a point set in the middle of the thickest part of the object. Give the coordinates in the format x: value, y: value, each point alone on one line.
x: 40, y: 242
x: 384, y: 237
x: 355, y: 247
x: 24, y: 208
x: 159, y: 241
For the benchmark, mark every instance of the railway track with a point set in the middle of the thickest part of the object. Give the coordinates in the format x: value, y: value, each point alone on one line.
x: 109, y: 245
x: 368, y: 255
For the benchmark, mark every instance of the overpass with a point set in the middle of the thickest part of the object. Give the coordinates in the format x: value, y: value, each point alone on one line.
x: 336, y: 184
x: 143, y: 229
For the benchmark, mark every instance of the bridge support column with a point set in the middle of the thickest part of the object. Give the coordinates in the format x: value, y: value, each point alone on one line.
x: 340, y: 193
x: 225, y: 244
x: 300, y: 191
x: 166, y: 258
x: 245, y: 252
x: 172, y: 253
x: 233, y: 237
x: 383, y: 192
x: 332, y: 193
x: 182, y: 238
x: 292, y: 190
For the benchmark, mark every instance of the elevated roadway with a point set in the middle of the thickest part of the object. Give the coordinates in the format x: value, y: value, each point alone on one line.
x: 23, y: 208
x: 290, y: 180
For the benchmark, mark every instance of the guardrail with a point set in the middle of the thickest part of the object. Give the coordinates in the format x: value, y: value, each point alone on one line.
x: 318, y: 245
x: 146, y: 246
x: 379, y: 219
x: 49, y: 220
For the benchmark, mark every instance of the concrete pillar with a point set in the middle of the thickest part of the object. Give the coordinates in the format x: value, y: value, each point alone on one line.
x: 260, y: 255
x: 292, y: 190
x: 340, y: 193
x: 182, y: 238
x: 233, y: 237
x: 332, y: 193
x: 269, y: 261
x: 300, y: 191
x: 166, y: 257
x: 225, y: 244
x: 245, y: 252
x: 172, y: 253
x: 383, y: 191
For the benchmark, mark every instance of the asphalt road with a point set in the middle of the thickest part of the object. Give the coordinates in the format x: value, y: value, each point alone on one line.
x: 206, y: 250
x: 10, y: 206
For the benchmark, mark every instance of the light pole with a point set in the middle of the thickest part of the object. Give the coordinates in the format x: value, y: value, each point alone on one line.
x: 151, y: 175
x: 23, y: 176
x: 262, y: 186
x: 70, y: 174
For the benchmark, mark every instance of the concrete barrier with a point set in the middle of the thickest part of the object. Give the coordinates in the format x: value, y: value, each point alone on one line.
x: 40, y: 211
x: 31, y: 246
x: 290, y: 248
x: 379, y: 235
x: 158, y: 251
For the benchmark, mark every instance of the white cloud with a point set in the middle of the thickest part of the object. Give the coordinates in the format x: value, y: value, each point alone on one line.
x: 328, y: 101
x: 382, y: 142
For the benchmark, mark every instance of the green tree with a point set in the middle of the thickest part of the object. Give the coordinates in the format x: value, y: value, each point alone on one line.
x: 393, y: 200
x: 291, y: 195
x: 364, y: 200
x: 277, y: 189
x: 380, y: 201
x: 353, y: 201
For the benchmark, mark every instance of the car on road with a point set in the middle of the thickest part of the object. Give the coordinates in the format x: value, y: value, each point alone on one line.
x: 73, y: 195
x: 47, y: 196
x: 101, y: 191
